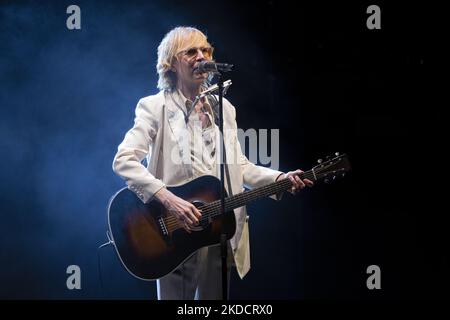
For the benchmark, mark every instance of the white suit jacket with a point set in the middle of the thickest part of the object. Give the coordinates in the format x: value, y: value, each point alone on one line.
x: 159, y: 133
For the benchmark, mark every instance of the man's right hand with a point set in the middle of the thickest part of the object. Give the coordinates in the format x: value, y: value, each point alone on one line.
x: 185, y: 212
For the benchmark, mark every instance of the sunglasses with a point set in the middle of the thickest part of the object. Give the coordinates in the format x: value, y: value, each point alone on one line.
x: 192, y: 52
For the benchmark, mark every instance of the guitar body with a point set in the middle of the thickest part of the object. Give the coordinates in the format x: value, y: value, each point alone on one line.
x: 148, y: 239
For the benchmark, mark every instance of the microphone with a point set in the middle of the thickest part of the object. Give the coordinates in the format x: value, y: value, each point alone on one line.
x: 211, y: 66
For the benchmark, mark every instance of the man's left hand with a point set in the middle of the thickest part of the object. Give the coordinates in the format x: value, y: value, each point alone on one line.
x: 297, y: 183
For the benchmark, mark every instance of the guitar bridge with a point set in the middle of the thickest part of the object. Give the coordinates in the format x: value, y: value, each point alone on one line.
x: 162, y: 226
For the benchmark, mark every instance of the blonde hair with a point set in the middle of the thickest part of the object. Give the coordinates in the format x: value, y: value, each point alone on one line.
x: 175, y: 41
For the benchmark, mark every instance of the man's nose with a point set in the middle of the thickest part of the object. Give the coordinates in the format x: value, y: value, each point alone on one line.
x: 200, y: 56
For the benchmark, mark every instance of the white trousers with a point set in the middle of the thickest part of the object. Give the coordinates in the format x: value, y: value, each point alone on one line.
x: 199, y: 277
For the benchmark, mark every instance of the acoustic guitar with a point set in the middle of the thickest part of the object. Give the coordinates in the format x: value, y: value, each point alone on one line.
x: 151, y: 243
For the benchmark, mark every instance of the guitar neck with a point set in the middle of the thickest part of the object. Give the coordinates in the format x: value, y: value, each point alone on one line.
x: 282, y: 185
x: 331, y: 169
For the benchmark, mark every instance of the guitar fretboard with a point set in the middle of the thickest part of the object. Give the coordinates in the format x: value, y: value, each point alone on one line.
x: 214, y: 208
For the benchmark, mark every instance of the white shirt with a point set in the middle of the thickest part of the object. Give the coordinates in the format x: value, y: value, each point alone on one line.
x: 203, y: 135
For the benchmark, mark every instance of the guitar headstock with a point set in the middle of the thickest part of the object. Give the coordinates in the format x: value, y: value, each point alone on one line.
x: 332, y: 168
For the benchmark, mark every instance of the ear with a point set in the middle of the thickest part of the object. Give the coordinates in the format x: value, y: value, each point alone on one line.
x: 172, y: 68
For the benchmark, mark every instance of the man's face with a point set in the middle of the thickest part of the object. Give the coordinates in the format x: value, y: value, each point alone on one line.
x: 186, y: 65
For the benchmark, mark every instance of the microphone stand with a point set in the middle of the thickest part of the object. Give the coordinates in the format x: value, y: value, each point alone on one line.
x: 223, y: 235
x: 217, y: 69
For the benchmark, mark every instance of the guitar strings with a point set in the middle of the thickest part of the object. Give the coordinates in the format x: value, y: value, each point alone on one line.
x: 243, y: 197
x: 211, y: 209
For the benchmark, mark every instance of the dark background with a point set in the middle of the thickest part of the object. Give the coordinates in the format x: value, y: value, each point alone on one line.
x: 313, y: 71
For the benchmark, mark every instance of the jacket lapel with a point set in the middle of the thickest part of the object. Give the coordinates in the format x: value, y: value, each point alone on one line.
x: 177, y: 124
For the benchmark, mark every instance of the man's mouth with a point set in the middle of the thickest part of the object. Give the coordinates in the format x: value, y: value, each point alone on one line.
x: 196, y: 71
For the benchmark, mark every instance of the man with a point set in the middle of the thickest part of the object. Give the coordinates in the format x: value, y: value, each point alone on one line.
x: 180, y: 141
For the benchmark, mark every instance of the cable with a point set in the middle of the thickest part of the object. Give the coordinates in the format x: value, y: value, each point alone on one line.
x: 110, y: 241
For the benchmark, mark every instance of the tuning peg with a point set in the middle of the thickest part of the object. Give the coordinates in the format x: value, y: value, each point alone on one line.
x: 319, y: 161
x: 337, y: 154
